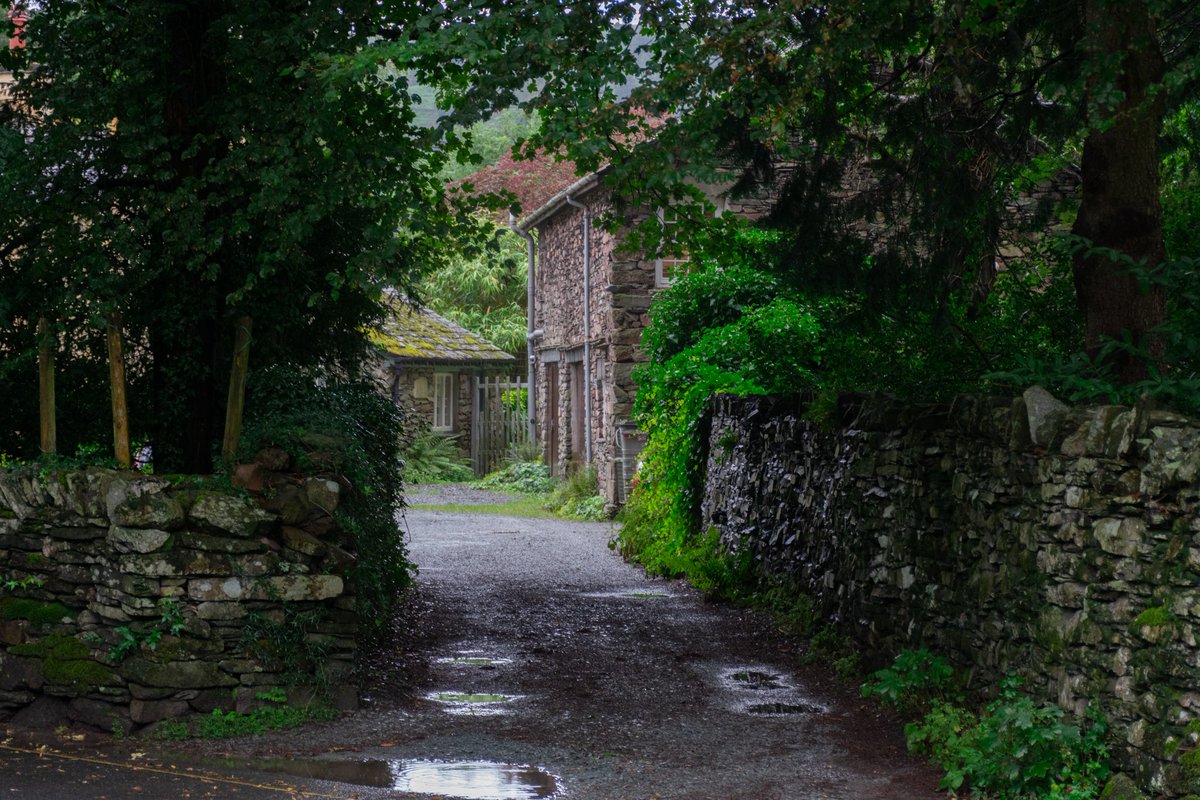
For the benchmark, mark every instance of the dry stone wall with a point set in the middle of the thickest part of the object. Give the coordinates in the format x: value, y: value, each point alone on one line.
x: 1014, y: 536
x: 125, y: 599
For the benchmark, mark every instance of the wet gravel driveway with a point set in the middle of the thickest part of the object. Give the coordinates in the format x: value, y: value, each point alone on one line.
x: 532, y: 646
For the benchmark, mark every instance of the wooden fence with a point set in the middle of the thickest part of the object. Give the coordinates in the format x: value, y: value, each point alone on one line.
x: 499, y: 419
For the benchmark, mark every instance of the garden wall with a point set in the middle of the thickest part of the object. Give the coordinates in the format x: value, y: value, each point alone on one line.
x: 1013, y: 536
x: 128, y: 599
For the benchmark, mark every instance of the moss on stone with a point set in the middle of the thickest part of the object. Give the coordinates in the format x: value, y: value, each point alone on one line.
x: 1154, y: 617
x: 1189, y: 764
x: 34, y: 611
x: 57, y: 646
x: 1121, y: 787
x: 66, y: 661
x: 78, y: 674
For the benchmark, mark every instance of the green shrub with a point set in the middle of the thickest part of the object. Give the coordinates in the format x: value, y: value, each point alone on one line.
x: 521, y: 476
x: 434, y: 457
x: 576, y: 498
x: 326, y: 423
x: 1016, y: 749
x: 914, y: 681
x: 273, y: 717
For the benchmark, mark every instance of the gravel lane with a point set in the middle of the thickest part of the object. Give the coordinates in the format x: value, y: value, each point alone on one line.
x: 621, y: 686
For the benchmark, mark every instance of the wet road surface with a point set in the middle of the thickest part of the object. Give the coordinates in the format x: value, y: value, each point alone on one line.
x: 539, y: 664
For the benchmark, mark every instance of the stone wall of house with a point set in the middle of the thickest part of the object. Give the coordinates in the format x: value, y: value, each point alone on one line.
x: 126, y: 599
x: 1014, y: 536
x: 412, y: 387
x: 622, y: 285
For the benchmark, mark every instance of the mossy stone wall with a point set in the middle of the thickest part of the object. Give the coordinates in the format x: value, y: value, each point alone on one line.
x: 1017, y: 536
x: 125, y: 598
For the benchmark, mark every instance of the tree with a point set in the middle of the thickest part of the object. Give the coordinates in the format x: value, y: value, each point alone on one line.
x: 935, y: 113
x: 485, y: 293
x: 186, y: 163
x: 1121, y: 209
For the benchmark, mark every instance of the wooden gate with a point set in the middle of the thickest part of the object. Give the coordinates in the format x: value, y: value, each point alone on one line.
x: 499, y: 419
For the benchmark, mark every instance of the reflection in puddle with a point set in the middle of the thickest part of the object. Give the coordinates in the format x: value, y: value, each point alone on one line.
x: 630, y: 594
x: 780, y: 709
x: 753, y: 679
x: 466, y: 697
x: 481, y: 704
x: 479, y: 661
x: 476, y: 780
x: 469, y: 780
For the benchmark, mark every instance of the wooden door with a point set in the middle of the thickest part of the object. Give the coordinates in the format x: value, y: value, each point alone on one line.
x: 550, y: 409
x: 578, y: 420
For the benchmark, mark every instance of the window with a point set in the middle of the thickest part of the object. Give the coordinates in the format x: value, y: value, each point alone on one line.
x: 674, y: 256
x: 443, y: 401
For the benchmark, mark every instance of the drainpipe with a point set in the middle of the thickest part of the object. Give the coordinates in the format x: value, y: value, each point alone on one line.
x: 530, y: 332
x: 587, y: 330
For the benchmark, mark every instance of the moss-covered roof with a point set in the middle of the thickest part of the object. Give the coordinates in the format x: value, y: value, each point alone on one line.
x: 421, y: 335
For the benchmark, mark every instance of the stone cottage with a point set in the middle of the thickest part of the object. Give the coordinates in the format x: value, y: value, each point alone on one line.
x: 441, y: 370
x: 585, y: 330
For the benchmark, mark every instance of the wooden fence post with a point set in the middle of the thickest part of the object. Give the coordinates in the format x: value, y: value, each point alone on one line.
x: 237, y: 388
x: 47, y: 344
x: 120, y: 409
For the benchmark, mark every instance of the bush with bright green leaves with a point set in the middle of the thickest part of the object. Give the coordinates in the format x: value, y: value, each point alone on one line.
x: 738, y: 323
x: 1015, y: 749
x: 577, y: 498
x: 526, y: 477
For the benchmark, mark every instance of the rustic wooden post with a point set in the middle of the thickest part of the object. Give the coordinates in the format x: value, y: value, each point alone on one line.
x: 47, y: 344
x: 237, y: 388
x: 116, y: 374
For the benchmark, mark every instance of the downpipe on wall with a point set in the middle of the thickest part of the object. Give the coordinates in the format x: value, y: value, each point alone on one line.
x: 531, y: 332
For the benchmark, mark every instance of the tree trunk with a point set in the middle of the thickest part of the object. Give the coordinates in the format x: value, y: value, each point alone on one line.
x: 187, y: 352
x: 1120, y: 206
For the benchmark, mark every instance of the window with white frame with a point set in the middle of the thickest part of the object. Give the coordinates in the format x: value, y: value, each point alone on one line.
x: 673, y: 255
x: 443, y: 401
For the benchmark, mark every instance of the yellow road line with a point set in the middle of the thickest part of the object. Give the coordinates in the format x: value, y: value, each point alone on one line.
x: 164, y: 771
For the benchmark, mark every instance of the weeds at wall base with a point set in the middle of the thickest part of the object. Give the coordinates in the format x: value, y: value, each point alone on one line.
x: 275, y: 715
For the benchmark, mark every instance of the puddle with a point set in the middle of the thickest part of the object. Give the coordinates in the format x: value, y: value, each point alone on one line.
x: 475, y: 780
x: 474, y: 661
x: 753, y: 679
x: 756, y: 679
x: 463, y: 697
x: 467, y: 780
x: 631, y: 594
x: 761, y: 691
x: 477, y: 703
x: 782, y: 709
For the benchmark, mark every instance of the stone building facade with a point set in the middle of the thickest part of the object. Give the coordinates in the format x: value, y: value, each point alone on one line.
x: 582, y: 370
x: 433, y: 367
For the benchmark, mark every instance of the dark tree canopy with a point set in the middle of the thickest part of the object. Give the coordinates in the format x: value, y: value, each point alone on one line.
x: 918, y: 122
x: 186, y: 163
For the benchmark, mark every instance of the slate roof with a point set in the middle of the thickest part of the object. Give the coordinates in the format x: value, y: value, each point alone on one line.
x: 412, y: 334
